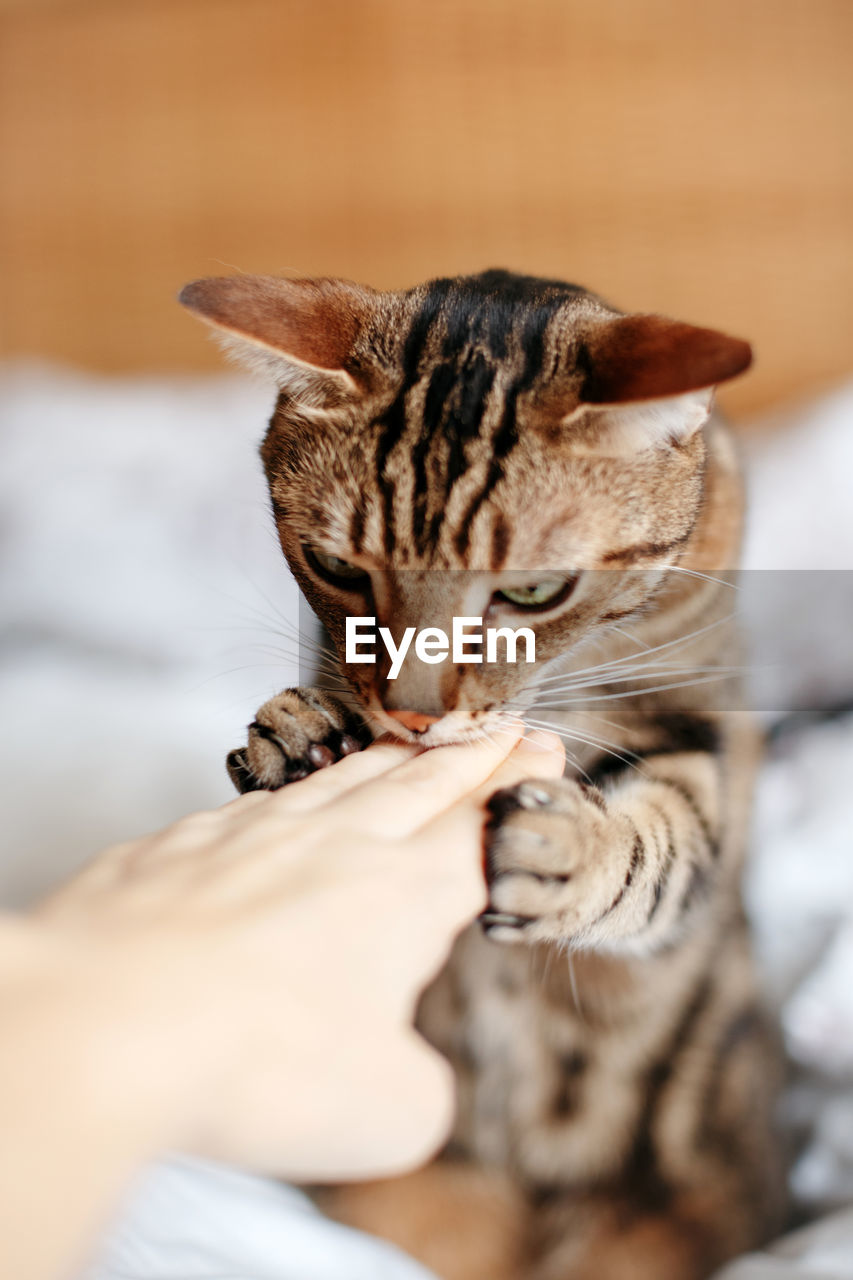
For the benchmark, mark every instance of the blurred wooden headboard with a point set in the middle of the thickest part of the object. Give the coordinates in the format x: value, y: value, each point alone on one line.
x: 692, y: 158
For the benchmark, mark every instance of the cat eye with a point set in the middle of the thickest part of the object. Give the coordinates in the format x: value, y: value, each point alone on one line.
x: 546, y: 593
x: 334, y: 569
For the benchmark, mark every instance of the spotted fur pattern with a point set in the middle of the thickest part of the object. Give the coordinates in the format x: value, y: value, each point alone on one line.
x: 616, y: 1076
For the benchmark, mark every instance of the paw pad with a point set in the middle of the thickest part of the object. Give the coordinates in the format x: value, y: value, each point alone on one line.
x: 295, y: 734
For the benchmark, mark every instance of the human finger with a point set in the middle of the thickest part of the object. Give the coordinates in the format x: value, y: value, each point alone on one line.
x: 406, y: 797
x: 344, y: 775
x: 444, y: 858
x: 538, y: 754
x: 452, y: 841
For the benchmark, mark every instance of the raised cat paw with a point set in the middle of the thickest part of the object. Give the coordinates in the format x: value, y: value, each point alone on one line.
x: 547, y: 844
x: 294, y: 734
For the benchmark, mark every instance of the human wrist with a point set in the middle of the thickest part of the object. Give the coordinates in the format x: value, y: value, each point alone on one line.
x: 89, y: 1094
x: 92, y: 1021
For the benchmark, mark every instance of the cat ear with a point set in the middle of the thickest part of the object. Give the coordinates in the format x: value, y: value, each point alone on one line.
x: 652, y: 379
x: 301, y: 332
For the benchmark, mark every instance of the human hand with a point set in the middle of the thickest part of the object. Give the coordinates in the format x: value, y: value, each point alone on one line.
x: 256, y: 967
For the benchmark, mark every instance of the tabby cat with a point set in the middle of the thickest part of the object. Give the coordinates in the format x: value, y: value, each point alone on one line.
x: 615, y: 1076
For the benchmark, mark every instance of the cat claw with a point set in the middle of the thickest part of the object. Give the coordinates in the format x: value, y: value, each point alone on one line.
x: 502, y: 919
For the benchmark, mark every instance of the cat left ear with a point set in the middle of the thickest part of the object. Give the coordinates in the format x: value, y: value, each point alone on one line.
x: 652, y: 379
x: 301, y: 332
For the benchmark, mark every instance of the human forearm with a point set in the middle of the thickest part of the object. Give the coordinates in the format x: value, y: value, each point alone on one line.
x: 87, y: 1097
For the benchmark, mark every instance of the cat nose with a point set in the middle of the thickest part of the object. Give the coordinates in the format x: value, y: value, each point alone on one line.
x: 417, y: 721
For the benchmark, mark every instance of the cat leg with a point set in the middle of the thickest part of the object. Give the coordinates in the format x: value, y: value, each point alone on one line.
x: 620, y: 868
x: 294, y: 734
x: 463, y: 1222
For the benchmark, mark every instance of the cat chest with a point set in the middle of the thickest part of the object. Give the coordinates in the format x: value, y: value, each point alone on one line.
x: 540, y: 1092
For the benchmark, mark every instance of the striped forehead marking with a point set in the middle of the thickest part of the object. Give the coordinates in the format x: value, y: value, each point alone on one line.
x: 479, y: 316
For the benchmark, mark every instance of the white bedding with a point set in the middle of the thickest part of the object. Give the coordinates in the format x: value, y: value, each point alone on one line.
x: 139, y: 576
x: 192, y: 1220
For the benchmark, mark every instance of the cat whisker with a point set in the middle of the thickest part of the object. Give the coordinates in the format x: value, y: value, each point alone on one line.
x: 323, y: 667
x: 706, y: 577
x: 634, y: 639
x: 573, y: 982
x: 279, y: 624
x: 669, y: 644
x: 590, y: 738
x: 251, y: 613
x: 513, y: 712
x: 634, y: 693
x: 291, y: 633
x: 571, y: 736
x: 654, y: 672
x: 576, y: 735
x: 294, y: 659
x: 230, y: 671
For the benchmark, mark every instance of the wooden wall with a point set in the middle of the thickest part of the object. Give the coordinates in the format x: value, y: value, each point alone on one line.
x: 689, y: 156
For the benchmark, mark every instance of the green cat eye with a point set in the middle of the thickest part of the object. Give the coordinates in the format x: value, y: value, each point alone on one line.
x: 333, y: 568
x: 538, y: 594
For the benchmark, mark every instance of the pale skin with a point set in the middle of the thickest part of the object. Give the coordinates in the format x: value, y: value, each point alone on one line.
x: 241, y: 986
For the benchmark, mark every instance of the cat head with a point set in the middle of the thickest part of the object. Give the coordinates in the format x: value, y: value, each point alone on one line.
x: 492, y: 446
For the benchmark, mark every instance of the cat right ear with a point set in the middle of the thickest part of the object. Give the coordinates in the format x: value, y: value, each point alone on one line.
x: 302, y: 333
x: 646, y: 380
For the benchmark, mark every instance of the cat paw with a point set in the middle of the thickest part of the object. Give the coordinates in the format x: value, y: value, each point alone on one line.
x: 294, y: 734
x: 546, y: 843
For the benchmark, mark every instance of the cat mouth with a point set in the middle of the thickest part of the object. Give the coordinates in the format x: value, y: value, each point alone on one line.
x: 415, y: 729
x: 429, y: 740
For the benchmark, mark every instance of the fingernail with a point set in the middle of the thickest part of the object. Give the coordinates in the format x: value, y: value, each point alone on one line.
x: 540, y: 740
x: 512, y: 728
